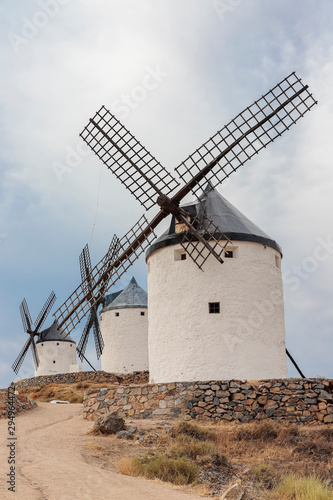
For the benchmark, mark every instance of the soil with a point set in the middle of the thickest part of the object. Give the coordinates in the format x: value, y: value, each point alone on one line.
x: 52, y: 461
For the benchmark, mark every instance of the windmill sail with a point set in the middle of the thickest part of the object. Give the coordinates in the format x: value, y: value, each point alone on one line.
x: 237, y: 142
x: 125, y: 156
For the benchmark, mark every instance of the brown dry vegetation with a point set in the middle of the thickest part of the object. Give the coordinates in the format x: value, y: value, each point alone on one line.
x: 269, y: 458
x: 73, y: 393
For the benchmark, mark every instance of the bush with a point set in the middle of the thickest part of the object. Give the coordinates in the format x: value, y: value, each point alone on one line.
x: 186, y: 446
x: 266, y: 430
x: 301, y: 488
x: 194, y: 431
x: 317, y: 445
x: 265, y: 476
x: 173, y: 470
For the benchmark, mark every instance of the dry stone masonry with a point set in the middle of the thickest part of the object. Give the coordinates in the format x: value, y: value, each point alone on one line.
x: 292, y: 400
x: 71, y: 378
x: 22, y: 403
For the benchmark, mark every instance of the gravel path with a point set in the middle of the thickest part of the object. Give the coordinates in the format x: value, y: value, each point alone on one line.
x: 50, y: 463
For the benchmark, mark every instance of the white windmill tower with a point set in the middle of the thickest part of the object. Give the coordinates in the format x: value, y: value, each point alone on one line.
x: 124, y: 327
x: 53, y: 352
x: 226, y: 322
x: 253, y: 129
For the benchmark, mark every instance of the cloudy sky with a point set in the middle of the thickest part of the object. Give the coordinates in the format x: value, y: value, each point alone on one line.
x: 174, y: 72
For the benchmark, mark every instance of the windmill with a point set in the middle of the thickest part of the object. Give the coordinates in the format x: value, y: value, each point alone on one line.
x: 32, y: 330
x: 95, y: 300
x: 243, y: 137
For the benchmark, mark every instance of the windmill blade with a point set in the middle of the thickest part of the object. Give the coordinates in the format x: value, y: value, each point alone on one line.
x: 110, y: 257
x: 25, y: 315
x: 20, y: 358
x: 131, y: 163
x: 202, y: 239
x: 99, y: 342
x: 34, y: 352
x: 104, y: 275
x: 245, y: 135
x: 82, y: 345
x: 85, y: 269
x: 113, y: 251
x: 45, y: 311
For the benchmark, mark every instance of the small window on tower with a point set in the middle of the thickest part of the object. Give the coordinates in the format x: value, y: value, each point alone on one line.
x: 53, y: 361
x: 57, y: 343
x: 142, y: 313
x: 214, y: 307
x: 116, y: 314
x: 229, y: 254
x: 179, y: 254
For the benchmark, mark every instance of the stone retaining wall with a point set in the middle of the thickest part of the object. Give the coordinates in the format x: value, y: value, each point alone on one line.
x: 22, y: 403
x: 292, y: 400
x: 70, y: 378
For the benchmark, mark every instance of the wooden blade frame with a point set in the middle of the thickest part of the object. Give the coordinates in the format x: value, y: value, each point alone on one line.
x: 198, y: 246
x: 251, y: 130
x: 32, y: 329
x: 44, y: 312
x: 131, y: 246
x: 125, y: 156
x: 25, y: 315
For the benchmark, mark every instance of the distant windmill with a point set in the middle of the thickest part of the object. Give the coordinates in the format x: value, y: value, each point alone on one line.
x: 33, y: 330
x: 243, y: 137
x: 95, y: 299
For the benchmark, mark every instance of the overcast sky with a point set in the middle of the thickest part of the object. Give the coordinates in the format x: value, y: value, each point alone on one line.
x: 174, y: 72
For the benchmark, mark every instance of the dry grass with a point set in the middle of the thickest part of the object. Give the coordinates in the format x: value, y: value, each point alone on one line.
x: 269, y: 457
x: 178, y: 471
x: 73, y: 393
x: 300, y: 488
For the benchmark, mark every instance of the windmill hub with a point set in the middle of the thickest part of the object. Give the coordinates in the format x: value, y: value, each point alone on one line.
x: 167, y: 205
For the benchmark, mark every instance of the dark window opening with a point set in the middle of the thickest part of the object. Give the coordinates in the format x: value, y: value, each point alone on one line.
x: 142, y: 313
x: 57, y: 343
x: 116, y: 314
x: 229, y: 254
x: 53, y: 361
x: 183, y: 256
x: 214, y: 307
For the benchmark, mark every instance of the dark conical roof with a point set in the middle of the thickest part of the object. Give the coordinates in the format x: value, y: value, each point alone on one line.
x: 53, y: 334
x: 235, y: 225
x: 133, y: 296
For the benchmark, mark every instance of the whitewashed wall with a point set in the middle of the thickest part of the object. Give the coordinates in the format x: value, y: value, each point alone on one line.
x: 63, y: 354
x: 126, y: 340
x: 245, y: 341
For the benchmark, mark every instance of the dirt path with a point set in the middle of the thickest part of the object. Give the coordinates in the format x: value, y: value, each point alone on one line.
x: 50, y: 463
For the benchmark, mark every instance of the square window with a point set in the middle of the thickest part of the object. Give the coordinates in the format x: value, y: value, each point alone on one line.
x: 116, y: 314
x: 214, y: 307
x: 179, y: 254
x: 229, y: 254
x: 142, y: 313
x: 53, y: 361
